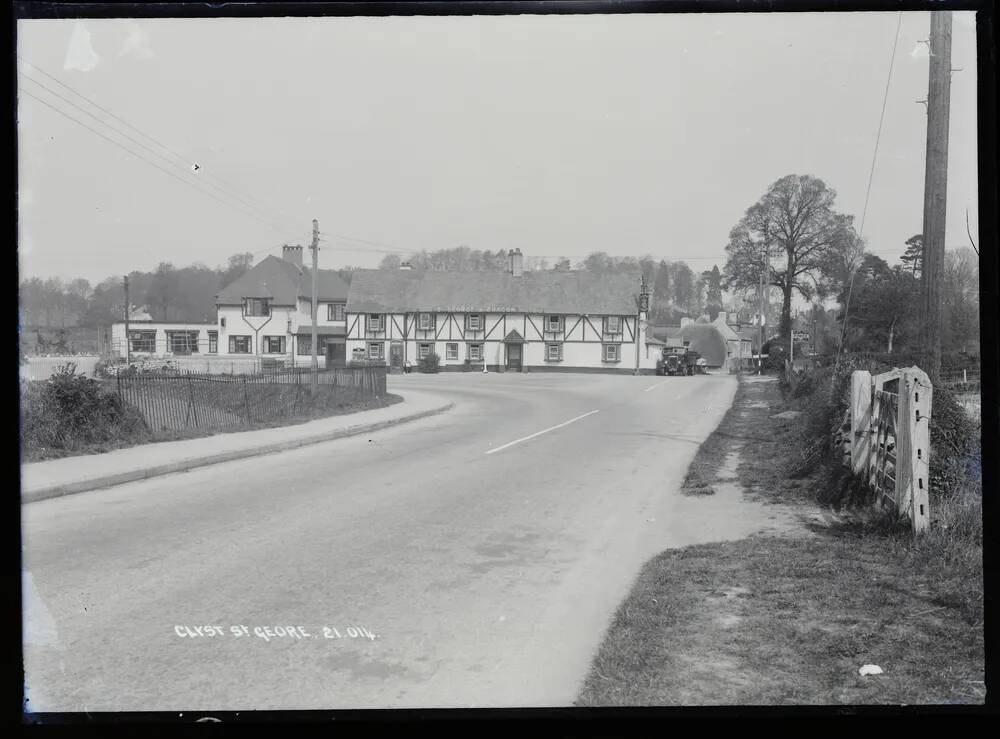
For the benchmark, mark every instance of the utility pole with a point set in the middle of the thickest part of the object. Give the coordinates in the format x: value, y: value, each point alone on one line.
x: 761, y: 314
x: 935, y: 191
x: 128, y: 344
x: 314, y: 380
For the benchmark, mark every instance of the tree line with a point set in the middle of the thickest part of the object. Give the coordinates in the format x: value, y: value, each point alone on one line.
x: 168, y: 293
x: 792, y: 238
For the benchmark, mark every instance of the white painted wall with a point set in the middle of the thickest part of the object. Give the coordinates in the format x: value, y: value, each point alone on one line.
x: 161, y: 347
x: 582, y: 340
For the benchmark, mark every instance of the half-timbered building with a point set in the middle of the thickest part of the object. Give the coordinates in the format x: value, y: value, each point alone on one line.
x: 507, y: 321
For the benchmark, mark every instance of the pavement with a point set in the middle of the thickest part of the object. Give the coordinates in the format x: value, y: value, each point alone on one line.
x: 473, y: 558
x: 56, y: 477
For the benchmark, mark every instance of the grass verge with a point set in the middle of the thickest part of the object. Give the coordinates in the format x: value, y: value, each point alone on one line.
x: 145, y: 436
x: 790, y: 619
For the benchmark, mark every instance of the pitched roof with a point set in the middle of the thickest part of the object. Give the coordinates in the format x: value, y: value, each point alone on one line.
x: 570, y: 292
x: 283, y: 283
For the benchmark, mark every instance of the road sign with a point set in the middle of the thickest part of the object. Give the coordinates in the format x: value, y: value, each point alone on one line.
x: 800, y: 335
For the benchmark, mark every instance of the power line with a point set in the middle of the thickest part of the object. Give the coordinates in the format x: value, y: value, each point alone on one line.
x: 126, y: 136
x: 868, y: 190
x: 233, y: 192
x: 147, y: 161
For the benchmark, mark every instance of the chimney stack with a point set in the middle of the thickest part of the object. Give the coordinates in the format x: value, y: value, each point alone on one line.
x: 516, y: 262
x: 292, y: 254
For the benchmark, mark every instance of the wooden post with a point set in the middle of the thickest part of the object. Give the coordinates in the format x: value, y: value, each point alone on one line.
x: 935, y: 190
x: 913, y: 447
x: 861, y: 421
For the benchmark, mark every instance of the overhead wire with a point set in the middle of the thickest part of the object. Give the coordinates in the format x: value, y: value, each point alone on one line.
x: 868, y: 189
x: 183, y: 160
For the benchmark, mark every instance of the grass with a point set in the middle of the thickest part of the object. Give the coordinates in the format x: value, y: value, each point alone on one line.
x: 789, y: 619
x: 149, y: 437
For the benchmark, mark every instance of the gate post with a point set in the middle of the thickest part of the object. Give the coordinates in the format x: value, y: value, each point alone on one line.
x: 913, y: 446
x: 861, y: 421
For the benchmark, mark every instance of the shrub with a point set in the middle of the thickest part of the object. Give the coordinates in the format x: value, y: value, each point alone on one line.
x: 431, y: 363
x: 823, y: 397
x: 70, y: 412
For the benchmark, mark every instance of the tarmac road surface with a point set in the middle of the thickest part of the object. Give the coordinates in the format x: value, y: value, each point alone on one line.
x: 470, y: 559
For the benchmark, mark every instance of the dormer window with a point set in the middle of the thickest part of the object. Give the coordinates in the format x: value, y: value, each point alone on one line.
x: 612, y: 324
x: 376, y: 322
x: 553, y: 323
x: 426, y: 322
x: 256, y: 307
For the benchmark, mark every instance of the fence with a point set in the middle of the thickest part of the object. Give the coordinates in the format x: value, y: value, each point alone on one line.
x: 184, y: 400
x: 963, y: 380
x: 889, y: 444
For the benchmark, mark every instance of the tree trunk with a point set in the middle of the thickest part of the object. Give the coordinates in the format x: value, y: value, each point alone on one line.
x: 786, y: 313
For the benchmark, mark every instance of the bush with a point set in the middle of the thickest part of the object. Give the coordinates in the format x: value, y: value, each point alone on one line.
x: 70, y: 412
x: 824, y: 397
x: 431, y: 363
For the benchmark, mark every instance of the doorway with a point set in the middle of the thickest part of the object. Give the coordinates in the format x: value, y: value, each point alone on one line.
x: 514, y: 357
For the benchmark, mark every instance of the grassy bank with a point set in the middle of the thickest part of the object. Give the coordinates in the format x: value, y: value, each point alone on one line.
x: 789, y: 619
x: 72, y: 415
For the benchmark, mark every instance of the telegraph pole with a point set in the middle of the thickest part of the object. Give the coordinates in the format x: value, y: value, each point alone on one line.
x: 314, y: 379
x: 128, y: 344
x: 935, y: 191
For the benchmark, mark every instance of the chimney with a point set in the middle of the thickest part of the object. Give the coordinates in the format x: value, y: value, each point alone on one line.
x: 516, y: 262
x: 405, y: 265
x: 292, y: 254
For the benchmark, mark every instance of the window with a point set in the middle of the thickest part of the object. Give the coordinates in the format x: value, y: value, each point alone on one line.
x: 423, y: 350
x: 612, y: 352
x: 475, y: 352
x: 274, y: 344
x: 142, y: 341
x: 376, y: 350
x: 474, y: 322
x: 256, y: 307
x: 213, y: 342
x: 239, y: 344
x: 553, y: 352
x: 304, y: 345
x: 375, y: 322
x: 222, y: 321
x: 182, y: 342
x: 426, y: 322
x: 358, y: 354
x: 553, y: 323
x: 335, y: 312
x: 612, y: 324
x: 451, y: 351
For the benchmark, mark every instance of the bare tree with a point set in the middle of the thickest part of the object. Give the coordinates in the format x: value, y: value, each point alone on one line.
x: 794, y: 234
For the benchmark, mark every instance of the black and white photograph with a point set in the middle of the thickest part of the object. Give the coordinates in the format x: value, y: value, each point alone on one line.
x: 552, y: 357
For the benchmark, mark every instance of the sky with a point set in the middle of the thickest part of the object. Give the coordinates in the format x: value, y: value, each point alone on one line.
x: 559, y: 135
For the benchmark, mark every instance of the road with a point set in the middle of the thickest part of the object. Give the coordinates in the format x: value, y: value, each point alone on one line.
x: 486, y: 550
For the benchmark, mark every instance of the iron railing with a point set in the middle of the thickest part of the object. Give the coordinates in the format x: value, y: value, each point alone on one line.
x: 184, y: 400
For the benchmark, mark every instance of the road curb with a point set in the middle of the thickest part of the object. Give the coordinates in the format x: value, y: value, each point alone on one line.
x: 57, y: 491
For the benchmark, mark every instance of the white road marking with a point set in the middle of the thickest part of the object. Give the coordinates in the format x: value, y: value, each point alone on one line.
x: 653, y: 387
x: 543, y: 431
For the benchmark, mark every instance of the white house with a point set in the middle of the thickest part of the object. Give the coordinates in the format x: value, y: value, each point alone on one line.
x: 509, y: 321
x: 267, y: 312
x: 161, y: 338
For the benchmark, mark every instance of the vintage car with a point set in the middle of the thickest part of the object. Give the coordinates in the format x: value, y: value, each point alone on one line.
x: 670, y: 364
